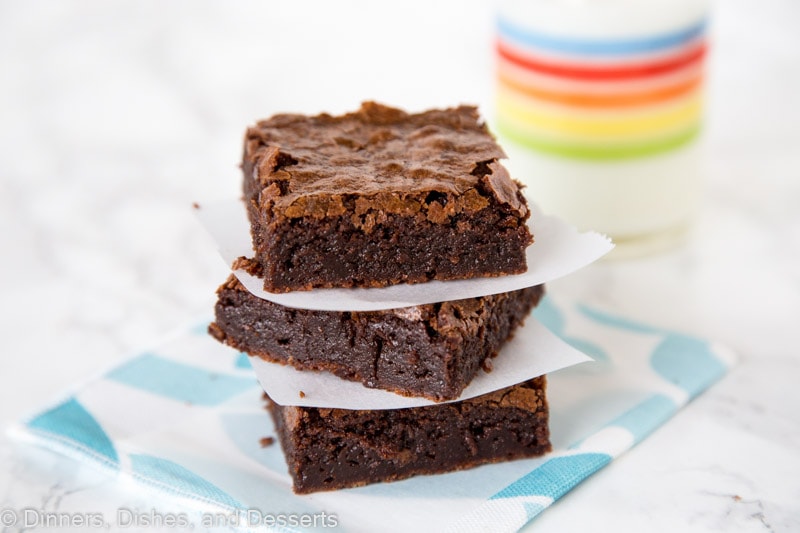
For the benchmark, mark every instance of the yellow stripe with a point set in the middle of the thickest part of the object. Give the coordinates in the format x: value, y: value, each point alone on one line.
x: 659, y: 119
x: 551, y: 135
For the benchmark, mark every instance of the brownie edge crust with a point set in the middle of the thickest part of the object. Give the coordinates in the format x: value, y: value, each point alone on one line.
x: 379, y: 197
x: 432, y: 350
x: 329, y: 449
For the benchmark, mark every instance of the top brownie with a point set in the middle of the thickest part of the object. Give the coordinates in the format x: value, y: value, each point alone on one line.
x: 379, y: 197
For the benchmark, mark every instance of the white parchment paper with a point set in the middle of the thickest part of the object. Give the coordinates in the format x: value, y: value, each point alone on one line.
x: 533, y: 351
x: 558, y: 250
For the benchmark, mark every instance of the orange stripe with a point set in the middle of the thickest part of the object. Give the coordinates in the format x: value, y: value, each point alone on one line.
x: 633, y: 99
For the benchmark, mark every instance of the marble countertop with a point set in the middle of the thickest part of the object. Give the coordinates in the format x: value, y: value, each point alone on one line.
x: 116, y: 117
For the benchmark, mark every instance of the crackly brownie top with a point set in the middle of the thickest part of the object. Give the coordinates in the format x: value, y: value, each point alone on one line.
x: 379, y: 158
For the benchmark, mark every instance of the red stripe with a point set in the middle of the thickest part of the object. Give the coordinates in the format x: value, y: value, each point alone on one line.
x: 587, y: 71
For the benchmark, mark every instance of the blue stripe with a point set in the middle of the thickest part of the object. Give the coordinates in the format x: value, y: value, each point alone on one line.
x: 172, y: 476
x: 242, y: 361
x: 617, y: 321
x: 532, y: 510
x: 687, y: 362
x: 648, y: 415
x: 548, y: 314
x: 179, y: 381
x: 524, y: 37
x: 71, y: 421
x: 556, y: 477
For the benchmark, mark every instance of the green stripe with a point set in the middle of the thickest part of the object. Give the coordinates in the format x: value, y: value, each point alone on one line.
x: 597, y: 152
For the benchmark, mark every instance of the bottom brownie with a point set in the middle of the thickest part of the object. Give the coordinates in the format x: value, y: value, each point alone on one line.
x: 330, y: 449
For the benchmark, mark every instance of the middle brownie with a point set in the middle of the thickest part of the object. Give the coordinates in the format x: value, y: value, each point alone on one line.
x: 431, y: 350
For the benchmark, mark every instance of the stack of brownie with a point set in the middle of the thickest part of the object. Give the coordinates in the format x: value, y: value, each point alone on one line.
x: 375, y: 198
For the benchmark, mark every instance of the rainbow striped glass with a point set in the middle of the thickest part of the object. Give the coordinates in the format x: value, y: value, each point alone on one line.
x: 599, y: 103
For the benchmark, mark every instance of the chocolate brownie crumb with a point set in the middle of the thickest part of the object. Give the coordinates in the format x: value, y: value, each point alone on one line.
x: 330, y: 449
x: 431, y: 350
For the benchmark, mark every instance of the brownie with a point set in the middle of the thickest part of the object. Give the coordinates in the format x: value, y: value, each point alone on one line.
x: 379, y: 197
x: 431, y: 350
x: 329, y: 449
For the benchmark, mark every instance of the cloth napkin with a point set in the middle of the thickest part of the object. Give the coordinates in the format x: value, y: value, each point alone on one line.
x: 186, y: 419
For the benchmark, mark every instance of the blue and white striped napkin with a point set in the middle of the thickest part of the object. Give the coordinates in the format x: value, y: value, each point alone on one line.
x: 186, y: 420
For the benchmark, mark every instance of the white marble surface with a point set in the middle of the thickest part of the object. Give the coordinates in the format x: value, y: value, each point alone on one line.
x: 115, y: 117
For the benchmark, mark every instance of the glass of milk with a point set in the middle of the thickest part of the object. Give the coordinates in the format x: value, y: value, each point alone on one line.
x: 598, y: 104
